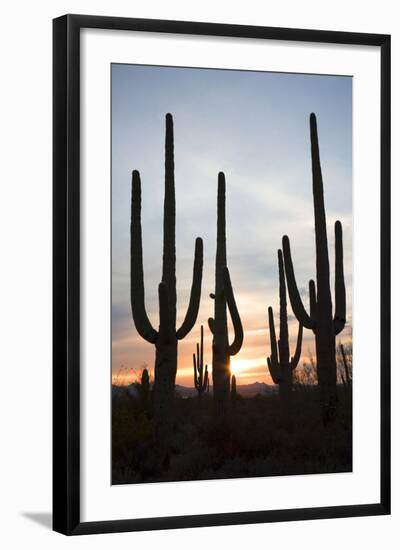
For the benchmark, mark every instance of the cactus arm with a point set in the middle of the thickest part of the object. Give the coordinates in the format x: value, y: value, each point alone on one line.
x: 296, y: 357
x: 234, y: 348
x: 195, y: 293
x: 140, y: 318
x: 165, y: 332
x: 273, y: 362
x: 198, y: 356
x: 210, y: 320
x: 339, y: 320
x: 272, y: 337
x: 313, y: 299
x: 194, y: 370
x: 294, y: 294
x: 273, y: 370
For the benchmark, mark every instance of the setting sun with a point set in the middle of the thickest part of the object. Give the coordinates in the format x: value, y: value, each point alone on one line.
x: 247, y: 367
x: 236, y: 367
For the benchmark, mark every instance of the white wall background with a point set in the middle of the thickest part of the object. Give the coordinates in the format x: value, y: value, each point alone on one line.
x: 25, y: 288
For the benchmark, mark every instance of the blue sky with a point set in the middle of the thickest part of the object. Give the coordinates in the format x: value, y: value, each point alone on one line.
x: 254, y: 127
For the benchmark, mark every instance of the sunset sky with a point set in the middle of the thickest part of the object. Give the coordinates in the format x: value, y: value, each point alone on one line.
x: 253, y: 126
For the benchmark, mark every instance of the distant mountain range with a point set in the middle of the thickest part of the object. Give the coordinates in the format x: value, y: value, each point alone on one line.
x: 246, y: 390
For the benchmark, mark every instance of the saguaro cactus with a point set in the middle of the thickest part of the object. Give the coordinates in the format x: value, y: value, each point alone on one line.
x: 280, y: 364
x: 166, y: 338
x: 320, y: 320
x: 199, y: 371
x: 223, y: 296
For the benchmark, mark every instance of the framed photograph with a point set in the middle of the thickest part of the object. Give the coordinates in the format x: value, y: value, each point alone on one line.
x: 221, y: 274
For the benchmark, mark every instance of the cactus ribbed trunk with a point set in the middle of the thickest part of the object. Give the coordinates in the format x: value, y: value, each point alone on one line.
x: 324, y: 329
x: 221, y: 370
x: 167, y: 345
x: 326, y: 370
x: 166, y: 338
x: 223, y: 297
x: 321, y: 319
x: 163, y: 388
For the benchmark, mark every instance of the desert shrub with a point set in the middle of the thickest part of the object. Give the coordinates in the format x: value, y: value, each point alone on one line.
x: 259, y: 439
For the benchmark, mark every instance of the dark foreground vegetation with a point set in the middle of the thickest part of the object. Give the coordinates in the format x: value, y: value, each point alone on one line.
x: 259, y: 439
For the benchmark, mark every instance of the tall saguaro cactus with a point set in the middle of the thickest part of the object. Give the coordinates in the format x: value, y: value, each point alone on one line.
x: 200, y: 372
x: 223, y: 296
x: 166, y: 338
x: 280, y: 364
x: 321, y: 320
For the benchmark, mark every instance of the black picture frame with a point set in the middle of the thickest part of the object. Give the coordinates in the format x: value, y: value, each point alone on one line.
x: 66, y: 273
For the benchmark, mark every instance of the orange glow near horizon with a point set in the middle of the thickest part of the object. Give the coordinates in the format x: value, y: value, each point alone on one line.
x: 249, y: 366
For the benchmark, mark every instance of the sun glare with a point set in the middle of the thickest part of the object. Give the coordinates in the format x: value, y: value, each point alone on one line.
x: 238, y: 366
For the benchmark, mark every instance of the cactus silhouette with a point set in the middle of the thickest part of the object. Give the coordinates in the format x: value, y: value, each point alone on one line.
x: 320, y: 320
x: 166, y: 338
x: 233, y: 391
x: 200, y: 372
x: 145, y: 388
x: 223, y: 296
x: 280, y: 364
